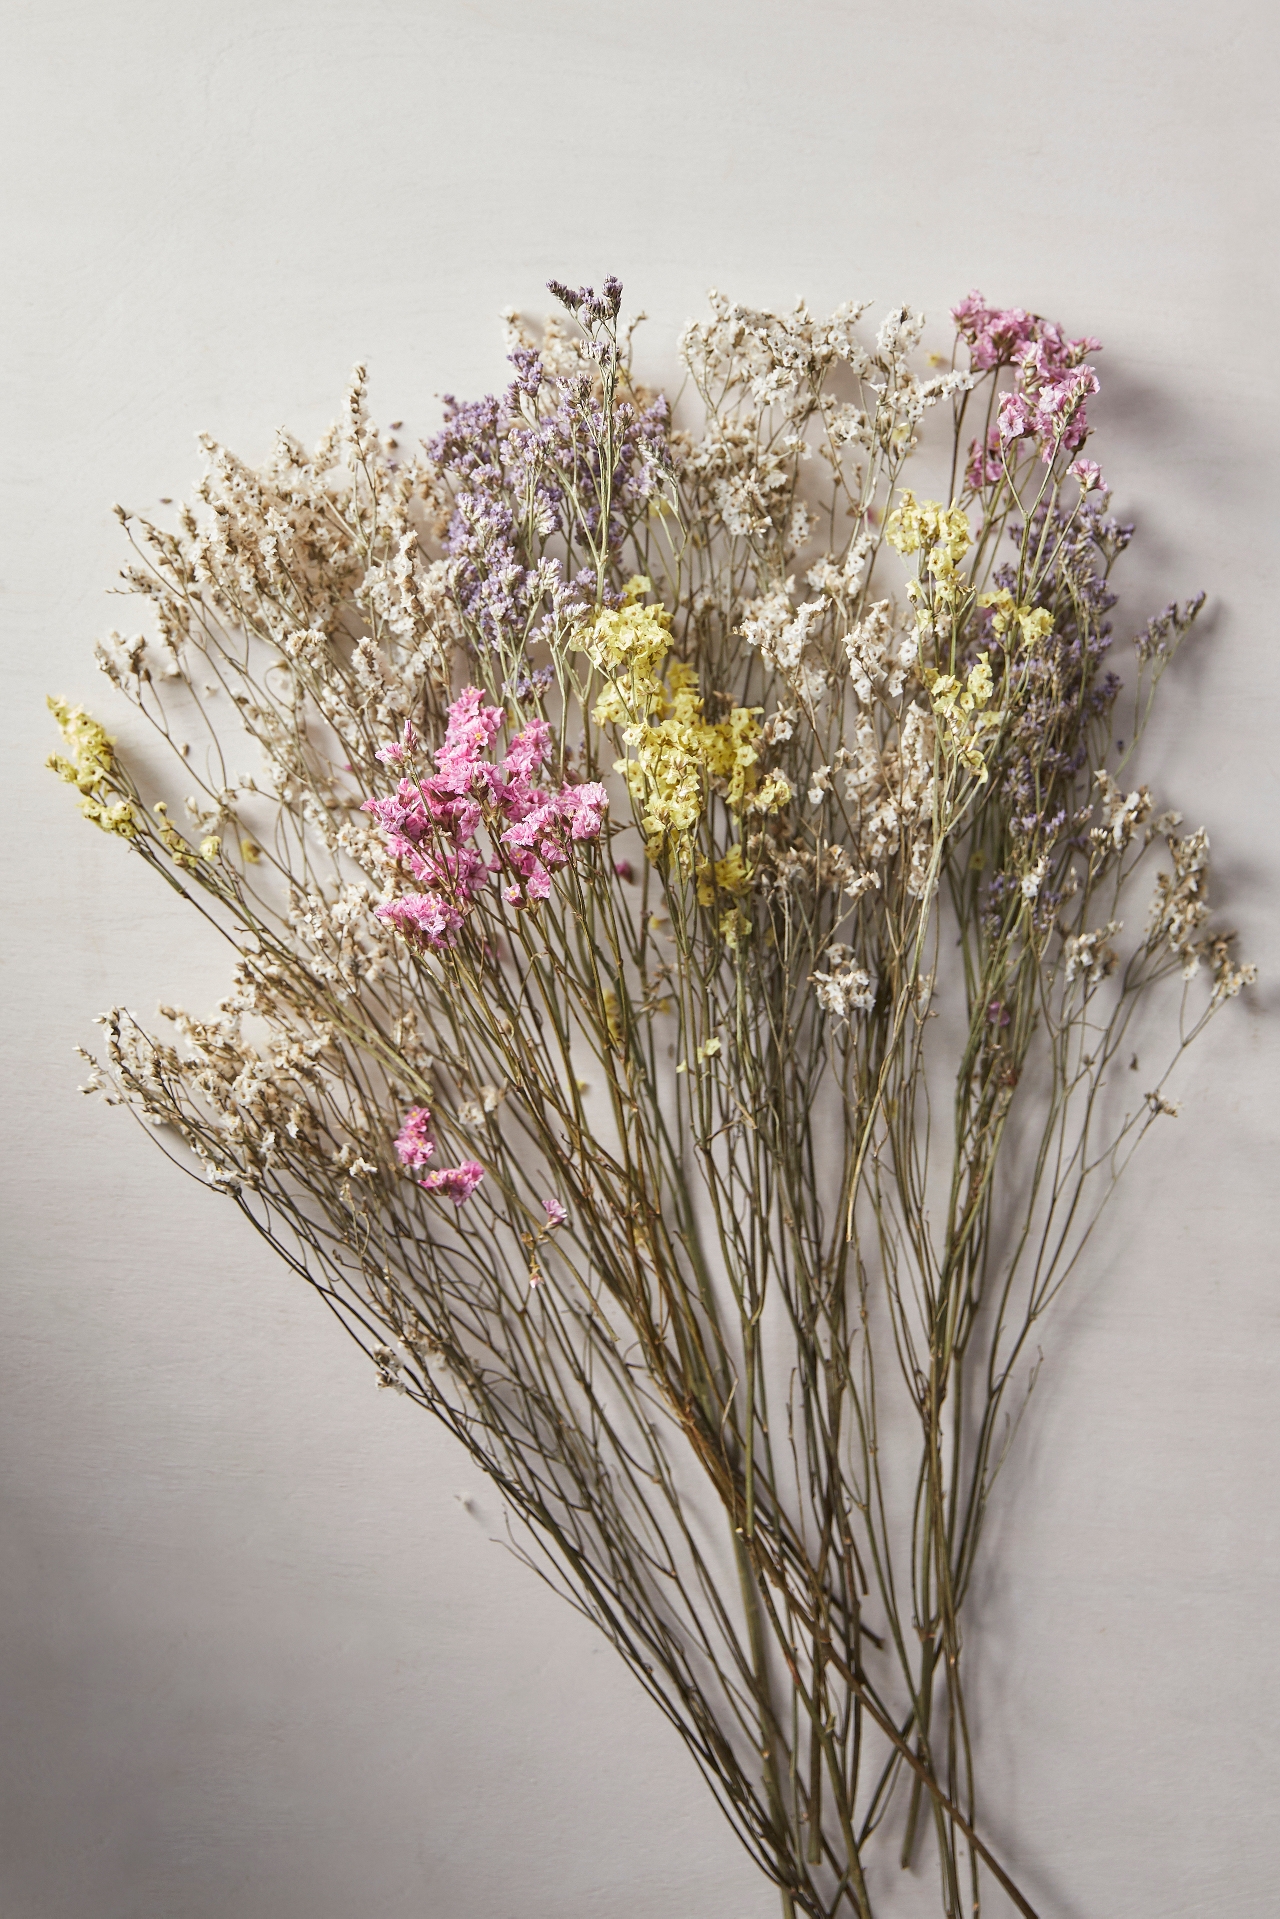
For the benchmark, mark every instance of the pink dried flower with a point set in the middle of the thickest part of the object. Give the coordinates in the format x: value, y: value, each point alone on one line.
x: 535, y: 826
x: 1004, y: 336
x: 459, y: 871
x: 584, y: 805
x: 534, y: 842
x: 625, y: 870
x: 1051, y: 354
x: 455, y: 1182
x: 425, y: 916
x: 471, y: 728
x: 414, y: 1143
x: 1015, y: 418
x: 429, y: 826
x: 1060, y: 418
x: 402, y: 815
x: 1089, y: 474
x: 528, y: 751
x: 995, y: 336
x: 1055, y: 414
x: 392, y: 755
x: 1053, y: 382
x: 985, y: 464
x: 555, y: 1212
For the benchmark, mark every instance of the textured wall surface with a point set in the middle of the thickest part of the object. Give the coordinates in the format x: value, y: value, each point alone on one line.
x: 259, y: 1655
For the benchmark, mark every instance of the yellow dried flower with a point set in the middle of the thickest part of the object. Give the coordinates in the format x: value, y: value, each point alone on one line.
x: 773, y: 793
x: 729, y: 875
x: 959, y: 705
x: 89, y: 768
x: 628, y: 644
x: 672, y: 758
x: 181, y: 850
x: 673, y: 751
x: 734, y: 926
x: 944, y: 531
x: 1033, y: 622
x: 980, y: 684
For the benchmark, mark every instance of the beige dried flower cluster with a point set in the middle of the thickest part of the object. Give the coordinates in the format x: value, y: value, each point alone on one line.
x: 604, y: 811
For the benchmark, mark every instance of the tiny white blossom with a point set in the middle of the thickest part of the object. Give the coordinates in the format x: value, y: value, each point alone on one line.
x: 846, y: 987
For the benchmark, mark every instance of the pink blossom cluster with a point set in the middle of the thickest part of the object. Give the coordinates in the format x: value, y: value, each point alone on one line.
x: 1089, y: 474
x: 415, y: 1146
x: 414, y: 1143
x: 997, y: 336
x: 1052, y: 382
x: 1054, y: 414
x: 431, y: 825
x: 1006, y: 336
x: 455, y: 1182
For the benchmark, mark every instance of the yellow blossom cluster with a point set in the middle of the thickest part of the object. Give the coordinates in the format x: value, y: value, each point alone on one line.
x: 628, y: 644
x: 730, y: 875
x: 942, y: 532
x: 959, y: 704
x: 1034, y: 623
x: 674, y: 754
x: 89, y: 768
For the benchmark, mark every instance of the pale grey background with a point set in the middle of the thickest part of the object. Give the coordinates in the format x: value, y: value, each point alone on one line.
x: 257, y: 1660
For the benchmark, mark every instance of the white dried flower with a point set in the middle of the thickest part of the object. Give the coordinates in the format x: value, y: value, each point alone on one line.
x: 839, y: 580
x: 801, y: 525
x: 1228, y: 979
x: 867, y: 646
x: 388, y: 1364
x: 845, y: 988
x: 780, y: 631
x: 1034, y: 880
x: 1089, y: 955
x: 1180, y: 907
x: 779, y: 727
x: 1124, y: 812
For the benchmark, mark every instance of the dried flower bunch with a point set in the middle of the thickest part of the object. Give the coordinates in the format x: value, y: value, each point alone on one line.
x: 671, y: 859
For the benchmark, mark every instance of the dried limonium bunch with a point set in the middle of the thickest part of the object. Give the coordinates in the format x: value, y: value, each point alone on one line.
x: 690, y: 947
